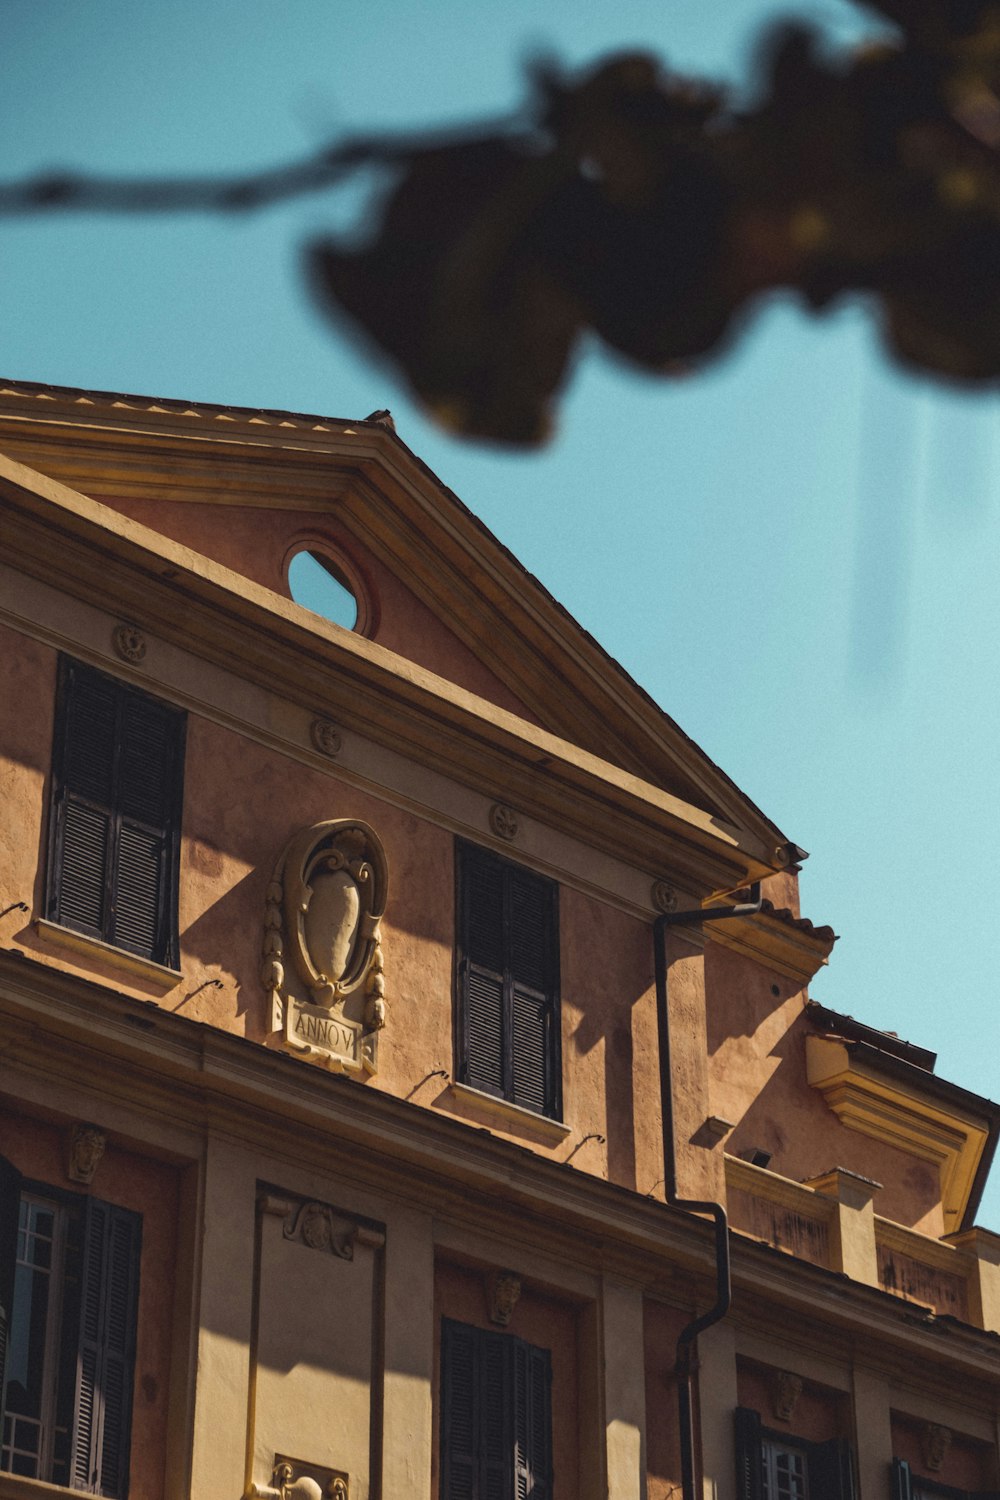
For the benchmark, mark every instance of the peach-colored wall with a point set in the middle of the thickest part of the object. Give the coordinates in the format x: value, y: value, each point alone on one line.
x: 150, y: 1188
x: 968, y: 1465
x: 27, y: 685
x: 609, y: 1039
x: 242, y: 802
x: 257, y: 543
x: 756, y: 1045
x: 818, y: 1416
x: 460, y: 1293
x: 661, y: 1328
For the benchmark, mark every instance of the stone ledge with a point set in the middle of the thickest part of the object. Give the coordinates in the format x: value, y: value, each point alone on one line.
x: 157, y: 975
x: 474, y: 1104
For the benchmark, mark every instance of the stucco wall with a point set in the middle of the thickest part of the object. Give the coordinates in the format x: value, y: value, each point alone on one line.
x: 661, y: 1327
x: 738, y: 1055
x: 259, y: 543
x: 818, y: 1414
x: 756, y: 1047
x: 967, y: 1464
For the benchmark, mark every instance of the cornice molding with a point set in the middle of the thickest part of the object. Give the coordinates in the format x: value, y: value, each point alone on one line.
x: 771, y: 1187
x: 878, y: 1104
x: 161, y: 1066
x: 779, y: 945
x: 382, y: 493
x: 93, y: 553
x: 951, y: 1257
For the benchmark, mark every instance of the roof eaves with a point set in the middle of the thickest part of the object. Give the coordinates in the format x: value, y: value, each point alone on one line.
x: 390, y: 435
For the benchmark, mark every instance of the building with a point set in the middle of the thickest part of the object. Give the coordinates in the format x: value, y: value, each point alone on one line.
x: 347, y: 977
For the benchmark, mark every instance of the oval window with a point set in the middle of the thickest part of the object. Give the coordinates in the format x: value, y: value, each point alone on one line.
x: 315, y: 582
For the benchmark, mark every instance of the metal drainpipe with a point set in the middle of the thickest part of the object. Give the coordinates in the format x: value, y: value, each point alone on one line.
x: 724, y: 1296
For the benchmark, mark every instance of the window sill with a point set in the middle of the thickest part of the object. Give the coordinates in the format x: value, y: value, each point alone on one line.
x: 487, y: 1109
x: 157, y: 975
x: 16, y: 1487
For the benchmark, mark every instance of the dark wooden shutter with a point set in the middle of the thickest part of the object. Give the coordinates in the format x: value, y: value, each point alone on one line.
x: 10, y: 1208
x: 83, y: 776
x: 147, y: 814
x: 496, y: 1416
x: 496, y: 1439
x: 831, y: 1470
x: 532, y: 926
x: 109, y: 1293
x: 507, y: 1022
x: 532, y: 1422
x: 748, y: 1454
x: 459, y: 1419
x: 482, y: 1041
x: 116, y: 805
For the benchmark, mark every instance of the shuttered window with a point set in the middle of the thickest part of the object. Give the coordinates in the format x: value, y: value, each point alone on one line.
x: 69, y: 1280
x: 773, y: 1466
x: 496, y: 1416
x: 909, y: 1486
x: 507, y: 1022
x: 115, y: 820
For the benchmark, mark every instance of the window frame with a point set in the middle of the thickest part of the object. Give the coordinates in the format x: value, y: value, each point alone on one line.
x: 165, y: 949
x: 514, y: 877
x: 830, y: 1469
x: 909, y: 1486
x: 91, y: 1328
x: 514, y: 1448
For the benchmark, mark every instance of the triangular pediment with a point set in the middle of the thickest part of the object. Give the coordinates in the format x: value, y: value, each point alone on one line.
x: 249, y: 488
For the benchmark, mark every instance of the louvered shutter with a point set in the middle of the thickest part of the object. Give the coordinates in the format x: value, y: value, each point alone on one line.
x: 83, y: 801
x: 109, y: 1293
x: 10, y: 1206
x: 459, y: 1411
x: 507, y: 1026
x: 749, y: 1458
x: 531, y: 919
x: 482, y: 1029
x: 532, y: 1422
x: 147, y: 779
x: 496, y: 1438
x: 831, y: 1470
x: 116, y: 803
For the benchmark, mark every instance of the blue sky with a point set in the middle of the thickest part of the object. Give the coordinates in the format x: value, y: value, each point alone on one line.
x: 795, y: 551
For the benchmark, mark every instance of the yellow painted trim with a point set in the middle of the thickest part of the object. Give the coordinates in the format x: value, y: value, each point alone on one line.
x: 767, y: 940
x: 887, y: 1110
x: 758, y: 1182
x: 941, y: 1255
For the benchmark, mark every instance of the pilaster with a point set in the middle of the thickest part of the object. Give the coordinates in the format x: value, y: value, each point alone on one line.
x: 853, y: 1248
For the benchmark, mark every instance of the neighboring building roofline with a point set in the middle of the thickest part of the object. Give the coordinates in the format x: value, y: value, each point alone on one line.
x: 908, y: 1068
x: 885, y: 1041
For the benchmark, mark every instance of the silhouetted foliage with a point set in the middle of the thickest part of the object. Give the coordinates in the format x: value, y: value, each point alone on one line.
x: 648, y: 209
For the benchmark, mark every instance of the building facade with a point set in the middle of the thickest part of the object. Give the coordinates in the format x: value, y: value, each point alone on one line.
x: 391, y: 1014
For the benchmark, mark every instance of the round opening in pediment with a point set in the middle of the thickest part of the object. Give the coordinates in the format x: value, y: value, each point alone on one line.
x: 325, y: 582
